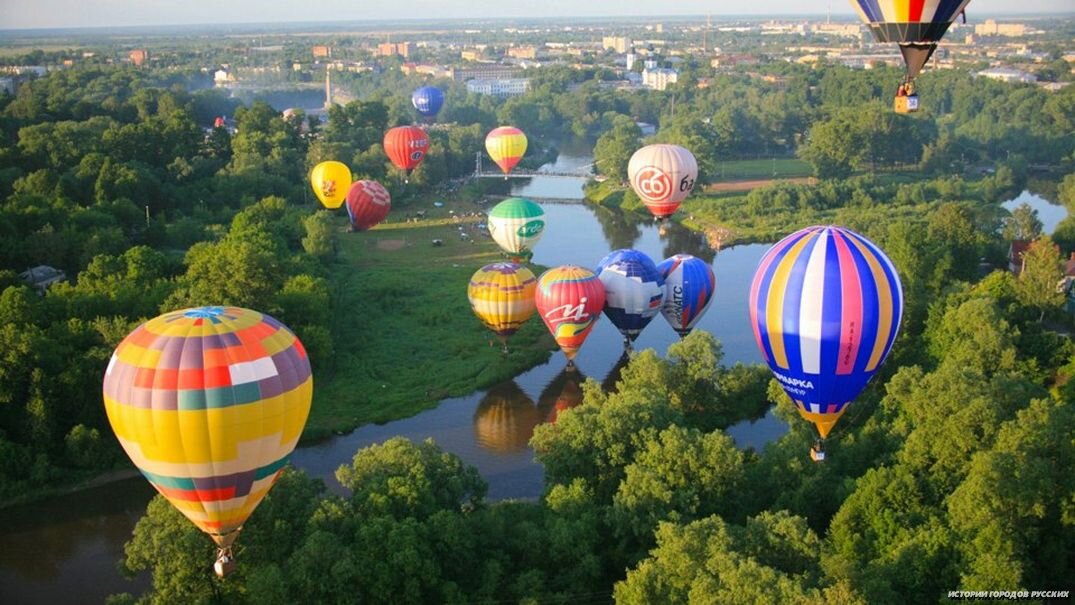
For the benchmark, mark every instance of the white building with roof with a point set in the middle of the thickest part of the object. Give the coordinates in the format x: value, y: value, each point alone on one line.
x: 502, y: 87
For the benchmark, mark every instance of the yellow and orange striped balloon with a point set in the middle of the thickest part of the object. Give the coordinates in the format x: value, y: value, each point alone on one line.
x: 502, y: 296
x: 506, y: 145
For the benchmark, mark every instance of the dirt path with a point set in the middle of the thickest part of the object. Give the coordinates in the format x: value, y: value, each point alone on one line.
x: 754, y: 184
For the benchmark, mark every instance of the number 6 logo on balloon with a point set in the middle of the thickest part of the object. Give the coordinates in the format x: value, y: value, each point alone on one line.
x: 653, y: 184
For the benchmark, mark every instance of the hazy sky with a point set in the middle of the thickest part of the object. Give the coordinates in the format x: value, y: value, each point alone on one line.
x: 17, y: 14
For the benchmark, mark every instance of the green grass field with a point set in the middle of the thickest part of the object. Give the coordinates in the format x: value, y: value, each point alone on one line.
x: 404, y: 332
x: 739, y: 170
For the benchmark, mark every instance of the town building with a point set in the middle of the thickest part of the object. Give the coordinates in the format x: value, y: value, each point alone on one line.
x: 322, y: 51
x: 1015, y: 255
x: 484, y: 71
x: 992, y: 28
x: 845, y: 30
x: 659, y: 78
x: 138, y: 56
x: 389, y: 49
x: 618, y: 44
x: 1008, y: 74
x: 41, y: 277
x: 506, y: 87
x: 522, y: 52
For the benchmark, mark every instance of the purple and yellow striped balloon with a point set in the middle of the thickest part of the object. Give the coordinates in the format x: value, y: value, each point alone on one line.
x: 825, y: 305
x: 209, y: 403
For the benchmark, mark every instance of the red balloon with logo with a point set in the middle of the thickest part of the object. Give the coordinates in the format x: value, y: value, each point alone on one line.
x: 662, y: 176
x: 570, y: 299
x: 406, y: 146
x: 367, y: 204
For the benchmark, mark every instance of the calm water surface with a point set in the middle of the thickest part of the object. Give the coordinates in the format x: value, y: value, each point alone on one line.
x: 1049, y: 213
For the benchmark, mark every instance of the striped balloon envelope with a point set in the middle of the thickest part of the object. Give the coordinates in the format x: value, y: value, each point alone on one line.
x: 689, y: 284
x: 570, y: 299
x: 506, y: 145
x: 917, y: 25
x: 634, y: 290
x: 502, y: 296
x: 209, y: 403
x: 909, y: 20
x: 367, y: 204
x: 825, y: 305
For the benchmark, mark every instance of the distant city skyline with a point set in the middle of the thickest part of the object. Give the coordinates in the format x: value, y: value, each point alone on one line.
x: 27, y: 14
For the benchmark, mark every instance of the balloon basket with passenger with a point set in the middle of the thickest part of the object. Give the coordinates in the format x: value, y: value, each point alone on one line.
x: 225, y: 562
x: 906, y: 100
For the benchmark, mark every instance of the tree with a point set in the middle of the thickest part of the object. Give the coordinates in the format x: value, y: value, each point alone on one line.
x: 614, y: 148
x: 1042, y: 271
x: 401, y: 479
x: 712, y: 561
x: 1020, y: 535
x: 681, y: 476
x: 320, y: 240
x: 1066, y: 191
x: 1023, y: 224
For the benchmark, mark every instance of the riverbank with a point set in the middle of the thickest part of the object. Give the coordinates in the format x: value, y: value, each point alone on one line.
x: 405, y: 336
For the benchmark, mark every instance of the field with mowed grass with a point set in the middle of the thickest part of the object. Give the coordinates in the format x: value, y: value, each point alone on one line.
x: 765, y: 168
x: 405, y: 336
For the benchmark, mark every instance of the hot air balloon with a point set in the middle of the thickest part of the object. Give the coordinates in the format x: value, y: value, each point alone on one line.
x: 506, y: 145
x: 516, y: 225
x: 634, y: 291
x: 689, y: 284
x: 367, y: 204
x: 662, y: 176
x: 406, y: 146
x: 208, y: 403
x: 428, y: 100
x: 569, y: 299
x: 825, y: 305
x: 330, y: 181
x: 502, y: 296
x: 917, y: 26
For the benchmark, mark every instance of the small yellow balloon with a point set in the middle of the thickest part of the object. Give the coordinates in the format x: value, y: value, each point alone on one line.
x: 330, y: 181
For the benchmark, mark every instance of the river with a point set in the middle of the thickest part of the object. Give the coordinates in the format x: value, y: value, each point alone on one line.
x: 1049, y: 213
x: 69, y: 545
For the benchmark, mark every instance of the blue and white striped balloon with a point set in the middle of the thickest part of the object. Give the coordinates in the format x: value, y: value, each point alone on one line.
x: 825, y: 306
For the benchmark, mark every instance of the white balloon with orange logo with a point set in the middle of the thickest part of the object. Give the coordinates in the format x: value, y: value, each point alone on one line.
x: 662, y: 176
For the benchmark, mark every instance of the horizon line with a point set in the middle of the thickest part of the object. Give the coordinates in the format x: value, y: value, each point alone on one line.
x: 411, y: 20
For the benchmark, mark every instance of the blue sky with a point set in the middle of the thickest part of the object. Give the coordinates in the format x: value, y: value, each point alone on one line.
x: 18, y: 14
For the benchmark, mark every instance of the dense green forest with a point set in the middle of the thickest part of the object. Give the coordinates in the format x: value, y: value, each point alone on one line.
x: 954, y: 469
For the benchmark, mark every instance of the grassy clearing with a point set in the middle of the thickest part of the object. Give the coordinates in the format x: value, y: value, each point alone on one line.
x: 734, y: 170
x: 404, y: 332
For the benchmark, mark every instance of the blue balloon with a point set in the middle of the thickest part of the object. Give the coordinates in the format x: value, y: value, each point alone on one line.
x: 428, y: 100
x: 634, y: 290
x: 688, y: 289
